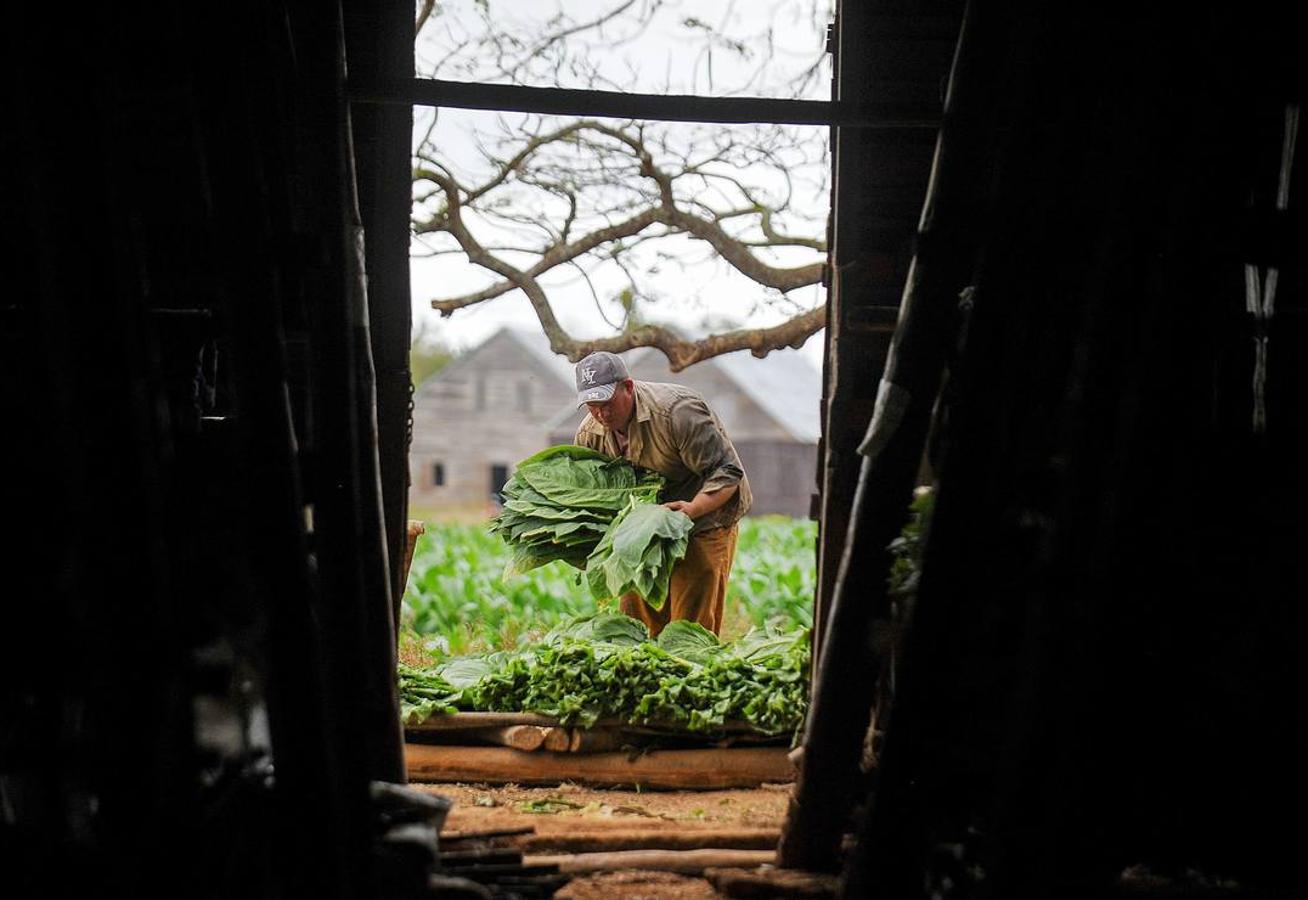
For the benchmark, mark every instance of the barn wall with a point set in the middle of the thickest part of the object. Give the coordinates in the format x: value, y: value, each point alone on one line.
x: 485, y: 410
x: 780, y: 475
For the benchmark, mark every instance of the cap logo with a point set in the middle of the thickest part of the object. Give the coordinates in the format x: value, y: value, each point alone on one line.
x: 588, y: 373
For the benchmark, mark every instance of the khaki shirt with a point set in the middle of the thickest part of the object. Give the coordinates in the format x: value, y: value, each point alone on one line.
x: 673, y: 432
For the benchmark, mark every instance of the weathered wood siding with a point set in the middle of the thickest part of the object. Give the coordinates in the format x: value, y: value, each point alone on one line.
x: 486, y: 409
x: 781, y: 475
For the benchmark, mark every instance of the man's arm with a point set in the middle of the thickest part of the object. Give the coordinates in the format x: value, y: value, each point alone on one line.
x: 704, y: 502
x: 705, y: 451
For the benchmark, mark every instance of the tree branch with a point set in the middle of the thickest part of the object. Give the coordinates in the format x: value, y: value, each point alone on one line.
x: 682, y: 353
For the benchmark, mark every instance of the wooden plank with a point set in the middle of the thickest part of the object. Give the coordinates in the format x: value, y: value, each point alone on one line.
x: 674, y: 769
x: 761, y: 883
x: 574, y: 841
x: 685, y: 862
x: 468, y: 721
x: 485, y: 834
x: 879, y: 116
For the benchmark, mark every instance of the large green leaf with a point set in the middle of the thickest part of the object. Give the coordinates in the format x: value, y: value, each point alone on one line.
x: 638, y: 552
x: 689, y: 640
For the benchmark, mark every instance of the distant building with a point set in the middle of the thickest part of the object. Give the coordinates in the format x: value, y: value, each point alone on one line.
x: 474, y: 419
x: 512, y: 396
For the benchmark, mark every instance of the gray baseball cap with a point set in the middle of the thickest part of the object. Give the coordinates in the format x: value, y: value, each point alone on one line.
x: 598, y: 376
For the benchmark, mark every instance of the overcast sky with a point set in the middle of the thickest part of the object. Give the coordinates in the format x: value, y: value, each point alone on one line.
x: 670, y: 54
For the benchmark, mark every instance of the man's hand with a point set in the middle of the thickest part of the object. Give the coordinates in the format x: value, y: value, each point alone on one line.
x: 703, y: 503
x: 685, y: 506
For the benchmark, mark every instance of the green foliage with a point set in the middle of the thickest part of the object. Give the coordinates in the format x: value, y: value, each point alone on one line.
x: 637, y: 553
x: 559, y: 503
x: 594, y: 512
x: 428, y: 353
x: 597, y: 667
x: 458, y: 601
x: 906, y: 550
x: 774, y: 577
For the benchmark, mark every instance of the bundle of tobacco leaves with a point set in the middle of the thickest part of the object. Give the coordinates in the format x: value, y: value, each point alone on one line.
x: 559, y: 503
x: 596, y: 513
x: 637, y: 553
x: 605, y: 666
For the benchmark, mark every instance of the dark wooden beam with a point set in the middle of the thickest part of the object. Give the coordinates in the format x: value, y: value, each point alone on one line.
x: 855, y: 560
x: 380, y: 39
x: 663, y: 107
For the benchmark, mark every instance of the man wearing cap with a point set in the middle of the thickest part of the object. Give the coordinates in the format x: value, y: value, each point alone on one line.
x: 670, y: 429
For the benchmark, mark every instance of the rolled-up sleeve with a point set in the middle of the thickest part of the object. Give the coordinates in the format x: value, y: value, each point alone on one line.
x: 703, y: 448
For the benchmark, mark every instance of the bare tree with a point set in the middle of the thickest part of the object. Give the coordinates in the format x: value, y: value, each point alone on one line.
x: 594, y: 198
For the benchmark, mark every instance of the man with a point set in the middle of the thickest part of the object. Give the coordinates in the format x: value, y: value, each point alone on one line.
x: 670, y: 429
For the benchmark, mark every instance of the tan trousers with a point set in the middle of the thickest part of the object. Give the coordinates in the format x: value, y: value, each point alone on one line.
x: 699, y: 584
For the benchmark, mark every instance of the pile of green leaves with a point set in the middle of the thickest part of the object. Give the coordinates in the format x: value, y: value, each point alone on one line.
x: 596, y: 513
x: 559, y: 503
x: 606, y: 666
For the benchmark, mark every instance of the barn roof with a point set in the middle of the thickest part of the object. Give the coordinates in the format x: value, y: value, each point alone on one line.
x: 784, y: 384
x: 533, y: 342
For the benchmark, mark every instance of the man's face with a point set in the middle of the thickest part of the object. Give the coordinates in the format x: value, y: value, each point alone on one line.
x: 616, y: 411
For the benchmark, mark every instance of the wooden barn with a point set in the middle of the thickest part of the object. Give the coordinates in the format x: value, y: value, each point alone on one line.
x: 511, y: 395
x: 477, y: 417
x: 1065, y: 265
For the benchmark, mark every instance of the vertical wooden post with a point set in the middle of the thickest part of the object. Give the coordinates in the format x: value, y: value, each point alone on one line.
x: 849, y: 664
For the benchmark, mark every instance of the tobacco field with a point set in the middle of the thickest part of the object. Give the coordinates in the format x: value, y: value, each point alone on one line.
x: 458, y: 601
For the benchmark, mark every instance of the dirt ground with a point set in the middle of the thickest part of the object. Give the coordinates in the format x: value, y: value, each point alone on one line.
x: 478, y: 807
x: 570, y: 806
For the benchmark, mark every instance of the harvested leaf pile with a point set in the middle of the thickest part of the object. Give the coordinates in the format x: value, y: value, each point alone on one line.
x: 596, y: 513
x: 606, y: 666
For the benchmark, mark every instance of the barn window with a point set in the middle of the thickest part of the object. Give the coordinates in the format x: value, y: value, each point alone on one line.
x: 438, y: 474
x: 499, y: 474
x: 524, y: 396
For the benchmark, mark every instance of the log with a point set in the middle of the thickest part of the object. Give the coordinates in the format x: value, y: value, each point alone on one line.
x: 530, y: 738
x: 557, y: 740
x: 586, y: 741
x: 769, y: 883
x: 527, y: 738
x: 684, y: 862
x: 673, y: 769
x: 645, y: 839
x: 486, y: 857
x: 484, y: 834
